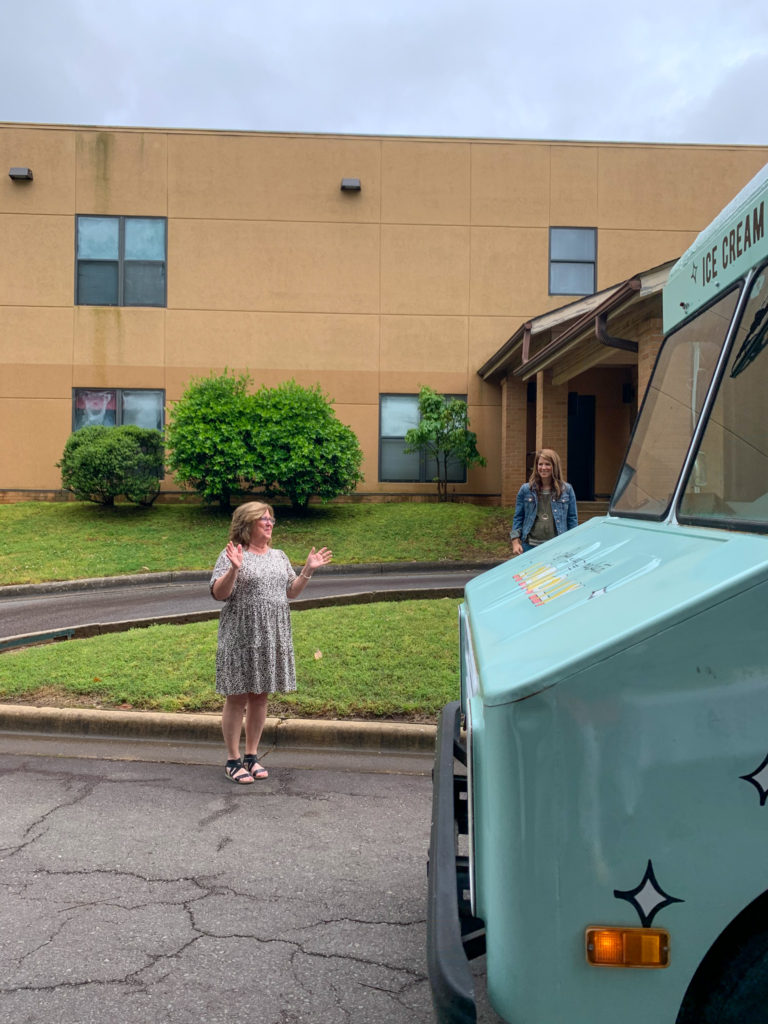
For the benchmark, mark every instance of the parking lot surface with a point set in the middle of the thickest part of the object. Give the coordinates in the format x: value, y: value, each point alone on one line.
x: 154, y: 891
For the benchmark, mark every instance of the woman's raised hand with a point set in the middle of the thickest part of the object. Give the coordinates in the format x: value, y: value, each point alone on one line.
x: 234, y: 554
x: 317, y: 558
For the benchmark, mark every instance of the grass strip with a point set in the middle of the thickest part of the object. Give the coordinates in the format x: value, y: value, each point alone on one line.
x: 395, y: 660
x: 42, y: 541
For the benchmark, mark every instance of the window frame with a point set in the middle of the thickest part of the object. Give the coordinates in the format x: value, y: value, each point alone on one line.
x: 121, y: 261
x: 424, y: 477
x: 119, y: 393
x: 572, y: 262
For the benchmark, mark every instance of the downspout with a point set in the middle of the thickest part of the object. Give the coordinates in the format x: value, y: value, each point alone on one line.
x: 602, y: 335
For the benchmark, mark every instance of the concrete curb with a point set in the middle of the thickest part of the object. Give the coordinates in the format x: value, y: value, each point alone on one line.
x: 314, y: 734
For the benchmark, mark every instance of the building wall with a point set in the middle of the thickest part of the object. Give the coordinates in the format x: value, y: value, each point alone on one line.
x: 415, y: 280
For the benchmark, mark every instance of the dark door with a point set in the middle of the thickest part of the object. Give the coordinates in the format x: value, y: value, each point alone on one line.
x: 581, y: 445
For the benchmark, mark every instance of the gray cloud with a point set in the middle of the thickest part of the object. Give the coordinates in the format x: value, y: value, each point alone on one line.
x: 686, y: 72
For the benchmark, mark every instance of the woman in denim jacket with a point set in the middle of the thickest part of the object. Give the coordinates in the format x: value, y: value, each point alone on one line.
x: 545, y: 506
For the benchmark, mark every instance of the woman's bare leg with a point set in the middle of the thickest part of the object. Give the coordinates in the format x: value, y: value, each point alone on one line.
x: 232, y: 722
x: 255, y: 717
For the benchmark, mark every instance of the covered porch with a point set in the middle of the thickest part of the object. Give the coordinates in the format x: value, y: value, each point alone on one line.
x: 573, y: 379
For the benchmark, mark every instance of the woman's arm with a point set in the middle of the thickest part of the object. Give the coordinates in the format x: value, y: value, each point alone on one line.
x: 517, y: 522
x: 519, y: 517
x: 222, y: 588
x: 572, y: 519
x: 314, y: 560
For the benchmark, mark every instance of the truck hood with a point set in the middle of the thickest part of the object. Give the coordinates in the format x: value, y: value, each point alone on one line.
x: 611, y: 583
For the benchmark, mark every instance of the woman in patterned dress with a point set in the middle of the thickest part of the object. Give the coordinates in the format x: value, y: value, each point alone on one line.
x: 255, y: 652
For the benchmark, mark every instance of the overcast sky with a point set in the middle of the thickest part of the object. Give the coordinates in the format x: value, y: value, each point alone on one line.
x: 653, y: 71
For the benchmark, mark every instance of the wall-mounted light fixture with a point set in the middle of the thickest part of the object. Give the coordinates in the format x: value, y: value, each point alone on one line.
x: 350, y: 185
x: 20, y: 174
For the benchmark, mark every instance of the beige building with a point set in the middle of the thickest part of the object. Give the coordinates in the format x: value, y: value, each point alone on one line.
x: 136, y: 259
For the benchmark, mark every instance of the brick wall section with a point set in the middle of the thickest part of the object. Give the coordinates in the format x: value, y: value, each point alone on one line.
x: 648, y: 345
x: 513, y: 415
x: 552, y: 417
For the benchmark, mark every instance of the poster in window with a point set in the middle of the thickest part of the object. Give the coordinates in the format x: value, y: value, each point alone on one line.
x: 94, y: 408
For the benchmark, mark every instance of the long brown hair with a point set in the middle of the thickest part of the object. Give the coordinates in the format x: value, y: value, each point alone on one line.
x: 557, y: 471
x: 243, y: 519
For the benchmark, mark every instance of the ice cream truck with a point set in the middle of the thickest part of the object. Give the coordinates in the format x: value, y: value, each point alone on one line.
x: 600, y: 795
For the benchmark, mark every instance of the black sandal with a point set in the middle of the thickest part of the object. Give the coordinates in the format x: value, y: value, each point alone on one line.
x: 251, y: 764
x: 237, y: 773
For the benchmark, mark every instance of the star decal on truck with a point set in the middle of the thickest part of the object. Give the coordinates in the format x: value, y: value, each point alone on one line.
x: 759, y: 779
x: 648, y: 898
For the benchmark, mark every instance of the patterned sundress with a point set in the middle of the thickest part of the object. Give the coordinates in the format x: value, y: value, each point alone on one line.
x: 255, y: 650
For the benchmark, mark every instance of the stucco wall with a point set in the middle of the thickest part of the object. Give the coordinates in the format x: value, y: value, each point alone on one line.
x: 415, y: 280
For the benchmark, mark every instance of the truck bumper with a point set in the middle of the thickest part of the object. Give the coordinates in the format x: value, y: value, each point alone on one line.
x: 453, y: 935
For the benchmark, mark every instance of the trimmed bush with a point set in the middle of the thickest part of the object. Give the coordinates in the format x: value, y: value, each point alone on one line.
x: 208, y: 437
x: 100, y: 464
x: 300, y: 448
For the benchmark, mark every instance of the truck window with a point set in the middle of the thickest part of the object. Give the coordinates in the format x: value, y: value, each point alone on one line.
x: 728, y: 486
x: 671, y: 410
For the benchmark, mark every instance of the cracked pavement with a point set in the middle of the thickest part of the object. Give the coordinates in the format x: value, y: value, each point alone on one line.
x: 159, y: 893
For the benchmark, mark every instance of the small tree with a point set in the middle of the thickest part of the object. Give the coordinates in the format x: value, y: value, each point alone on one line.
x: 209, y: 437
x: 443, y: 434
x: 299, y: 446
x: 101, y: 463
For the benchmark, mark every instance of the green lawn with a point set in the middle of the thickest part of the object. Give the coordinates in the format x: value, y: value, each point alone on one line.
x: 73, y: 540
x: 395, y: 660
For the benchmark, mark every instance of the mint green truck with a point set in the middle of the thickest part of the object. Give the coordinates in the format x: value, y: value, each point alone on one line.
x: 600, y: 800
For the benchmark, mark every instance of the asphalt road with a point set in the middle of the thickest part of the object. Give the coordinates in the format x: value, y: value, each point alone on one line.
x: 152, y: 892
x: 33, y: 610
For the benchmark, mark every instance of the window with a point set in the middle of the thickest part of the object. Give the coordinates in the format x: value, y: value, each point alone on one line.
x: 728, y: 483
x: 112, y: 407
x: 120, y: 261
x: 397, y: 415
x: 671, y: 409
x: 572, y: 261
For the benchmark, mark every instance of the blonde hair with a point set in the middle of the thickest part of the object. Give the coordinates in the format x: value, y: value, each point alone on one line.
x: 243, y: 519
x: 557, y: 471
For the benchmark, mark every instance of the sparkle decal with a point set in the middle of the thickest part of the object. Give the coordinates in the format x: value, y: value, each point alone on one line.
x: 694, y: 269
x: 543, y: 583
x: 648, y: 898
x: 759, y: 779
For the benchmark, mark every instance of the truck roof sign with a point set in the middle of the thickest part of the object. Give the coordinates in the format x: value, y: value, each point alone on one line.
x: 721, y: 254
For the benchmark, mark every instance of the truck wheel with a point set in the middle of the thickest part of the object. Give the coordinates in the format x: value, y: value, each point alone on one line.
x: 730, y: 985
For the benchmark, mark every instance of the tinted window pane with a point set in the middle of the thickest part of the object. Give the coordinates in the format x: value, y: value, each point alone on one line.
x: 395, y: 464
x: 571, y: 279
x: 98, y: 238
x: 457, y: 472
x: 144, y: 238
x: 399, y: 413
x: 97, y: 284
x: 572, y: 244
x: 729, y: 481
x: 670, y: 412
x: 144, y: 284
x: 143, y: 409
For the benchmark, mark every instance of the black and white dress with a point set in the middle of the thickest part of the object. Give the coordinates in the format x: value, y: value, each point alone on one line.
x: 255, y: 651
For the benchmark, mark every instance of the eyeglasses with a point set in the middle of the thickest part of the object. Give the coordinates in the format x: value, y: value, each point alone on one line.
x: 267, y: 520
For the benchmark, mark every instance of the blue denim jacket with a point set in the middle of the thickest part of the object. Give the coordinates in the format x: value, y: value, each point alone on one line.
x: 564, y: 512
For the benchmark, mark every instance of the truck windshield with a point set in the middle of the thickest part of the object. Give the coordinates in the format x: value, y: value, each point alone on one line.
x: 671, y: 411
x: 728, y: 486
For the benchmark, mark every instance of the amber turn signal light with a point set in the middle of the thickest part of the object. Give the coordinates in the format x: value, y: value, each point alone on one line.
x: 627, y: 947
